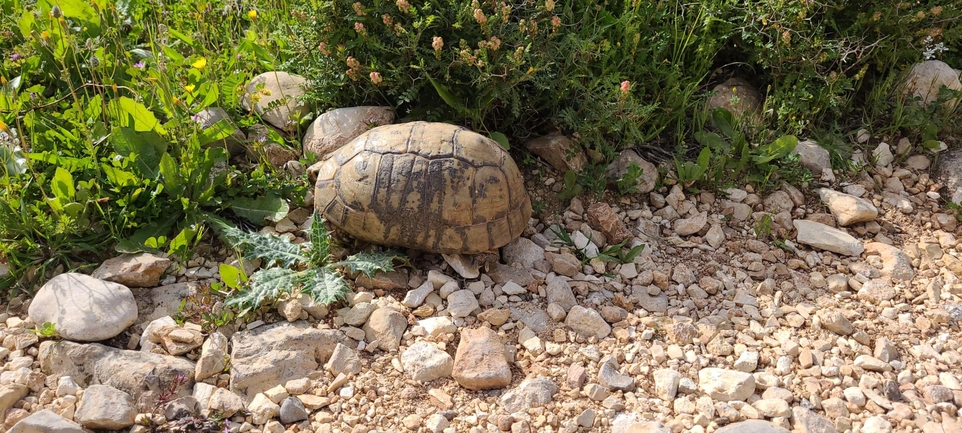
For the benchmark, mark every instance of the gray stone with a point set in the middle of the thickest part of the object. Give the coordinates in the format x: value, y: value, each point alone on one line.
x: 882, y: 155
x: 726, y: 385
x: 480, y: 361
x: 272, y: 354
x: 610, y: 377
x: 162, y: 301
x: 872, y: 363
x: 275, y: 96
x: 813, y: 157
x: 927, y: 78
x: 559, y: 292
x: 335, y: 128
x: 181, y: 408
x: 133, y: 270
x: 386, y: 326
x: 895, y: 264
x: 462, y: 303
x: 587, y: 322
x: 105, y: 407
x: 46, y: 421
x: 292, y: 410
x: 649, y: 173
x: 424, y: 362
x: 83, y: 308
x: 886, y: 350
x: 948, y: 174
x: 531, y: 393
x: 415, y: 297
x: 652, y: 304
x: 467, y: 266
x: 126, y: 370
x: 810, y: 422
x: 827, y: 238
x: 358, y: 314
x: 522, y: 251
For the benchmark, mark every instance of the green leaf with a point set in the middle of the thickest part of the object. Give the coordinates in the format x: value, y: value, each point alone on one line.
x: 270, y: 248
x: 77, y: 9
x: 145, y: 148
x: 450, y: 98
x: 724, y: 121
x: 704, y: 158
x: 170, y: 171
x: 324, y: 285
x: 713, y: 141
x: 181, y: 243
x: 778, y: 149
x: 232, y: 276
x: 179, y: 35
x: 218, y: 131
x: 501, y: 139
x: 130, y: 113
x: 260, y: 210
x: 632, y: 253
x: 320, y: 241
x: 264, y: 285
x: 369, y: 262
x: 62, y: 185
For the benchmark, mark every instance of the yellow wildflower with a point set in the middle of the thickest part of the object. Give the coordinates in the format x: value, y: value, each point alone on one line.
x: 200, y: 63
x: 252, y: 14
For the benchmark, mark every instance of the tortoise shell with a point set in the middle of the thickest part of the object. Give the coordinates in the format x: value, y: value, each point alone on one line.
x: 428, y: 186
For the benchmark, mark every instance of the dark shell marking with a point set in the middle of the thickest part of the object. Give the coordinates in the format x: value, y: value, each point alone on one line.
x: 429, y: 186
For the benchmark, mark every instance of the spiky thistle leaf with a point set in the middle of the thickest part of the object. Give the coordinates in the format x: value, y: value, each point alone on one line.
x: 269, y: 248
x: 266, y: 284
x: 319, y: 250
x: 369, y: 262
x: 325, y: 285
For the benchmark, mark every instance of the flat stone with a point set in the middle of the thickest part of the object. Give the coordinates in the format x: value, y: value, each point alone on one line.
x: 559, y: 292
x: 611, y: 378
x: 268, y: 355
x: 83, y: 308
x: 726, y: 385
x: 425, y: 362
x: 690, y: 226
x: 827, y: 238
x: 666, y: 383
x: 587, y: 322
x: 848, y: 209
x: 563, y: 263
x: 876, y: 291
x: 871, y: 363
x: 46, y: 421
x: 752, y: 426
x: 531, y: 393
x: 263, y: 409
x: 126, y: 370
x: 772, y: 407
x: 480, y: 361
x: 292, y: 410
x: 807, y: 421
x: 105, y: 407
x: 10, y: 394
x: 925, y: 80
x: 648, y: 179
x: 224, y: 402
x: 335, y: 128
x: 343, y: 360
x: 895, y: 263
x: 133, y: 270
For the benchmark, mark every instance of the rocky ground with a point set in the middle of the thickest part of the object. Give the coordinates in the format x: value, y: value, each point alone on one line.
x: 849, y: 323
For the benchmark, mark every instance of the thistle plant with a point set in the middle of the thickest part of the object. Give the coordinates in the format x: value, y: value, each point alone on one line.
x: 290, y: 268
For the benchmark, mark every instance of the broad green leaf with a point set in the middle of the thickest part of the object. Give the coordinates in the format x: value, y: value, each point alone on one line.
x: 180, y: 244
x: 777, y: 149
x: 501, y: 139
x: 179, y: 35
x: 260, y: 210
x: 145, y: 148
x: 62, y: 185
x: 12, y: 161
x: 324, y: 285
x: 713, y: 141
x: 931, y: 144
x: 704, y: 158
x: 170, y: 171
x: 450, y: 98
x: 132, y: 114
x: 232, y: 276
x: 369, y: 262
x: 724, y: 121
x: 73, y: 209
x: 266, y: 284
x: 156, y: 230
x: 77, y: 9
x: 218, y: 131
x: 634, y: 252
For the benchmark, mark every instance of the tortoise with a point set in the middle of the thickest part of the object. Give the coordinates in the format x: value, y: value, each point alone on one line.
x: 434, y: 187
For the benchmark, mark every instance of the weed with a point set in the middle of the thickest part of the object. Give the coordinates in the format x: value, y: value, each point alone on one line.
x: 47, y: 330
x: 290, y: 268
x: 629, y: 181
